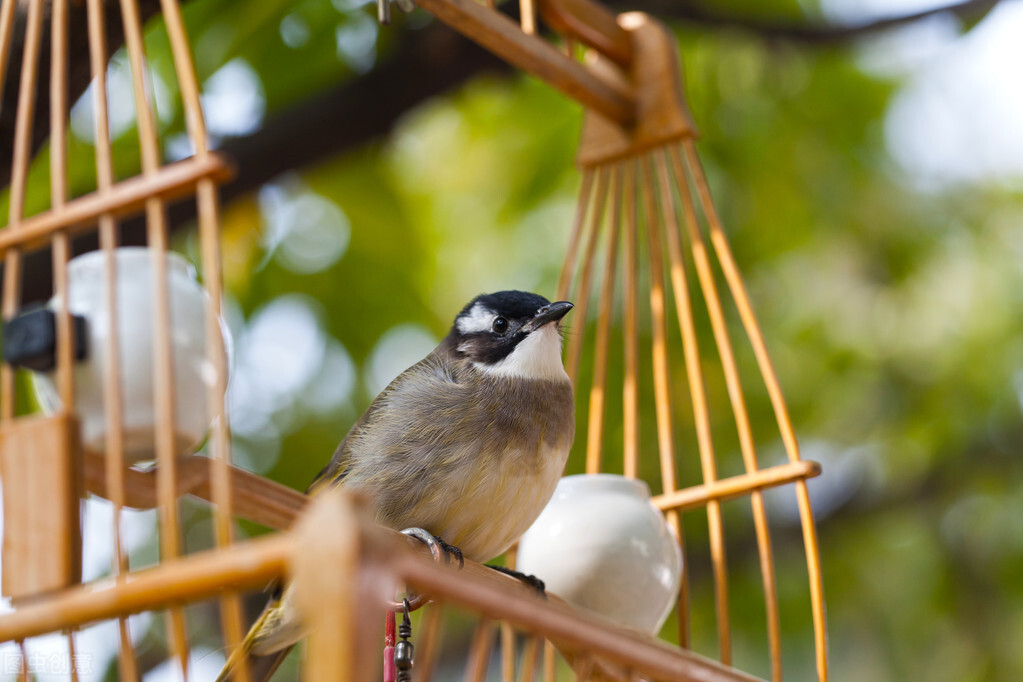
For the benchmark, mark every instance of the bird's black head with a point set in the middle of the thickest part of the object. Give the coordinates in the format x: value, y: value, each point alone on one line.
x: 511, y: 332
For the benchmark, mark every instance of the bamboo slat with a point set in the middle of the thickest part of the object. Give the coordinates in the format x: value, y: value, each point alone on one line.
x: 529, y: 659
x: 479, y: 651
x: 163, y: 365
x: 630, y: 387
x: 112, y: 397
x: 428, y: 643
x: 60, y: 245
x: 583, y: 205
x: 582, y: 301
x: 507, y: 653
x: 662, y: 393
x: 739, y: 412
x: 594, y: 435
x: 701, y: 409
x: 752, y: 327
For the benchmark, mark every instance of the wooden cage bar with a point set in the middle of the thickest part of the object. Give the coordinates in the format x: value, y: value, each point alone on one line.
x: 596, y: 220
x: 701, y: 410
x: 595, y: 426
x: 61, y: 243
x: 752, y: 327
x: 112, y: 395
x: 630, y: 331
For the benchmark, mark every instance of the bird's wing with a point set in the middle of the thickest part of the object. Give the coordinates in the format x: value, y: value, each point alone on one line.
x: 277, y: 628
x: 432, y: 372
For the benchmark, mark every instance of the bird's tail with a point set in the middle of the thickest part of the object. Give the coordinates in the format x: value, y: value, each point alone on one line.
x: 261, y: 668
x: 265, y: 646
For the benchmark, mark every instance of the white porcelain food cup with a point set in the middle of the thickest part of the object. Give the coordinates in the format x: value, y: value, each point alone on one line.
x: 192, y: 372
x: 600, y: 544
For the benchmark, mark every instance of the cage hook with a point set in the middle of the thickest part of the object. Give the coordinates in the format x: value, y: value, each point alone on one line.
x: 403, y: 648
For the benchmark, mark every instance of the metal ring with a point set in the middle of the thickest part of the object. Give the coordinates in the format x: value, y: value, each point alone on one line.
x: 414, y: 600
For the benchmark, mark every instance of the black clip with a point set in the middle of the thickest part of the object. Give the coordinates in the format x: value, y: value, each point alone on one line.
x: 30, y: 339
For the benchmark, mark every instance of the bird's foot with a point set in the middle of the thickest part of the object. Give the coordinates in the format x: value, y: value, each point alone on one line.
x: 530, y: 580
x: 451, y: 551
x: 436, y: 545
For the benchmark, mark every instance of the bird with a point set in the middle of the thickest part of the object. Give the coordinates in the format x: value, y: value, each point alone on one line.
x: 467, y: 444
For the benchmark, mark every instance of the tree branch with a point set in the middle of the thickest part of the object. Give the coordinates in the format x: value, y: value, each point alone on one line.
x: 427, y: 63
x: 811, y: 34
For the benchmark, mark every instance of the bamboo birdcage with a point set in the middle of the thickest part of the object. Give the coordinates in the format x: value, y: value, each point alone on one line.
x: 645, y: 215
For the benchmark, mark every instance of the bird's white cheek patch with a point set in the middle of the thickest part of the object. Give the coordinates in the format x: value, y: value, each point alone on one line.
x: 479, y: 319
x: 538, y: 356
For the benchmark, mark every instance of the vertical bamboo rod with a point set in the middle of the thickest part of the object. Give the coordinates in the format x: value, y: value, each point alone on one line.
x: 659, y: 350
x: 185, y: 71
x: 594, y: 439
x: 60, y: 247
x: 12, y: 282
x: 220, y: 475
x: 163, y: 369
x: 26, y: 107
x: 23, y: 668
x: 507, y: 653
x: 426, y: 646
x: 527, y: 14
x: 19, y: 174
x: 571, y: 253
x: 701, y: 260
x: 662, y: 395
x: 701, y: 415
x: 583, y: 297
x: 208, y: 219
x: 788, y: 434
x: 529, y: 658
x: 6, y: 25
x: 479, y: 652
x: 548, y: 661
x: 73, y: 668
x: 12, y: 264
x: 112, y: 397
x: 630, y: 387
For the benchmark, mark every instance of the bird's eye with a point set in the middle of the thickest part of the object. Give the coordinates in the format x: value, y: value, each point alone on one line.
x: 500, y: 325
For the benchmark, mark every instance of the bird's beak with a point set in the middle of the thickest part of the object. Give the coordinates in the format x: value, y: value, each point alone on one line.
x: 549, y: 313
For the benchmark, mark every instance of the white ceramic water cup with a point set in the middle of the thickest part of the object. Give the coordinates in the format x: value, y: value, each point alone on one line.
x: 600, y: 544
x: 192, y: 375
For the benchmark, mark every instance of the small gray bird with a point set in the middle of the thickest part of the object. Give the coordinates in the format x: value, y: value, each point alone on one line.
x: 467, y: 444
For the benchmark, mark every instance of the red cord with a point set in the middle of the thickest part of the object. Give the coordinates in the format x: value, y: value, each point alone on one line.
x: 390, y: 630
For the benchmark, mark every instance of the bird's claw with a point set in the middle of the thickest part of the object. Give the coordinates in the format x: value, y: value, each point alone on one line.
x: 451, y: 551
x: 528, y: 579
x: 436, y: 545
